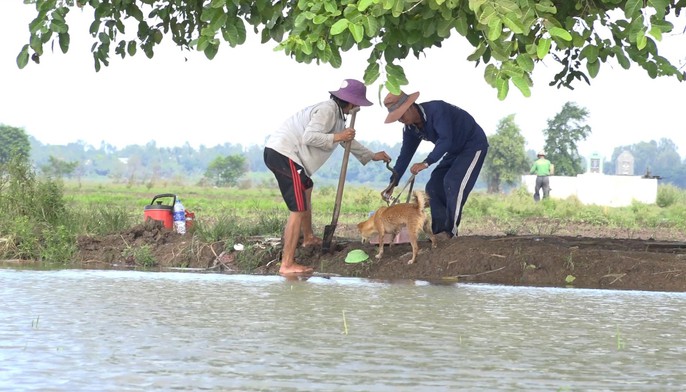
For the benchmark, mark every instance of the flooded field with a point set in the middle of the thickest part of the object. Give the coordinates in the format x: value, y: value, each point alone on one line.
x: 78, y: 330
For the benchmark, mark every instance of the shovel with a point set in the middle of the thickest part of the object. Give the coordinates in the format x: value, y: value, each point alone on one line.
x: 329, y: 229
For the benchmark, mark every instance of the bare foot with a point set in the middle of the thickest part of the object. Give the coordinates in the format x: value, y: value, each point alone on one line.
x: 312, y: 241
x: 294, y: 268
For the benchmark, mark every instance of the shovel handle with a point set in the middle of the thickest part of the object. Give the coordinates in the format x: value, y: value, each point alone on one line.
x: 344, y: 170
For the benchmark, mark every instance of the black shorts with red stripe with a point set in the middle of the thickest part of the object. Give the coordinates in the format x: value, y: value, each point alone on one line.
x: 293, y: 182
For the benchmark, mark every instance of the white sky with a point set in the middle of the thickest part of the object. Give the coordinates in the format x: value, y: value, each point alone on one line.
x: 246, y: 92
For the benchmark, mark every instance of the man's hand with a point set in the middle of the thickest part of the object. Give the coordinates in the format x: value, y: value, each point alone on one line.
x: 381, y: 156
x: 417, y: 167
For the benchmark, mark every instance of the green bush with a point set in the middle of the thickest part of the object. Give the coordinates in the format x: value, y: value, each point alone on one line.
x: 37, y: 226
x: 668, y: 195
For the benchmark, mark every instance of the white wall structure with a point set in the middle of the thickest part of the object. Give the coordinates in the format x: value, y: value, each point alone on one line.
x: 600, y: 189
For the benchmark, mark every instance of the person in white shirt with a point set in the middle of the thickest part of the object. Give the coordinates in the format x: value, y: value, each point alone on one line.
x: 300, y: 146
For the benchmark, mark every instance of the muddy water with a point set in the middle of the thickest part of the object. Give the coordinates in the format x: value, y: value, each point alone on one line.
x: 80, y: 330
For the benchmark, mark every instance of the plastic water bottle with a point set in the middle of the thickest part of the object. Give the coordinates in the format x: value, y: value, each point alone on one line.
x: 179, y: 217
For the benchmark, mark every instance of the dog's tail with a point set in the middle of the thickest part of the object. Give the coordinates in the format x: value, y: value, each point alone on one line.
x: 421, y: 198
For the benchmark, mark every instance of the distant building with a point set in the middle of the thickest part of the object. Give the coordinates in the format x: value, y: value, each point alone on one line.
x: 595, y: 163
x: 625, y: 164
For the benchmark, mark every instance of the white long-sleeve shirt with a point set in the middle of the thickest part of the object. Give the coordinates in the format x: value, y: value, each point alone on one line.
x: 307, y: 137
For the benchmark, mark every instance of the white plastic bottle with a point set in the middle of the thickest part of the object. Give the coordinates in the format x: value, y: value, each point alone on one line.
x: 179, y: 217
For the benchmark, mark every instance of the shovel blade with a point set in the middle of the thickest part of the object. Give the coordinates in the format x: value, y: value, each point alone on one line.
x: 328, y: 237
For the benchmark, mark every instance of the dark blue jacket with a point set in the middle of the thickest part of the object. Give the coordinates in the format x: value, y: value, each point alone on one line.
x: 451, y: 129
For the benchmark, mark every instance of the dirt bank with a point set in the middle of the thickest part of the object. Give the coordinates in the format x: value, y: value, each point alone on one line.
x: 533, y: 260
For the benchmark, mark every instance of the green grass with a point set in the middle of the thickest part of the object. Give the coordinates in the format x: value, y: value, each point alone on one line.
x: 44, y: 217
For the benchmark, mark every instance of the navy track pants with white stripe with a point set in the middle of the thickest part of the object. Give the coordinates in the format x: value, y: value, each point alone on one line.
x: 449, y: 186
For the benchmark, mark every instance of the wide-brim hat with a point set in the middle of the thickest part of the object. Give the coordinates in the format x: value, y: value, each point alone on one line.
x: 352, y: 91
x: 397, y: 105
x: 541, y: 154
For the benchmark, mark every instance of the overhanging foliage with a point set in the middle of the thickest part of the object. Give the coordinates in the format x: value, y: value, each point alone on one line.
x: 509, y: 36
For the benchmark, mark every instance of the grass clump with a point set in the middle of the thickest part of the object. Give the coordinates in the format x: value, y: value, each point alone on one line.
x: 142, y: 256
x: 37, y: 218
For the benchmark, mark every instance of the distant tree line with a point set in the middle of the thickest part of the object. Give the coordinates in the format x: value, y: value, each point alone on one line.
x: 236, y: 165
x: 221, y: 165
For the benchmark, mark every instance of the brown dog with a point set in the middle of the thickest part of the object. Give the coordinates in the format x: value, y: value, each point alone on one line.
x: 392, y: 219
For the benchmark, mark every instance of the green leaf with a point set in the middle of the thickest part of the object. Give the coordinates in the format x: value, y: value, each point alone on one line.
x: 444, y: 27
x: 335, y: 59
x: 656, y: 32
x: 157, y: 36
x: 23, y: 57
x: 593, y: 67
x: 58, y: 26
x: 632, y: 7
x: 663, y: 25
x: 474, y: 5
x: 495, y: 29
x: 372, y: 73
x: 202, y: 43
x: 211, y: 51
x: 364, y: 4
x: 357, y: 31
x: 230, y: 34
x: 135, y: 12
x: 522, y: 85
x: 660, y: 7
x: 590, y: 52
x: 104, y: 38
x: 503, y: 86
x: 513, y: 24
x: 340, y: 26
x: 546, y: 6
x: 507, y: 7
x: 396, y: 73
x: 621, y: 57
x: 131, y: 48
x: 511, y: 70
x: 319, y: 19
x: 306, y: 47
x: 477, y: 53
x: 371, y: 25
x: 64, y: 42
x: 651, y: 67
x: 487, y: 14
x: 525, y: 61
x: 560, y: 33
x: 218, y: 21
x: 208, y: 14
x: 240, y: 29
x: 392, y: 86
x: 461, y: 25
x: 398, y: 8
x: 543, y: 47
x: 491, y: 74
x: 330, y: 7
x: 218, y: 3
x: 641, y: 40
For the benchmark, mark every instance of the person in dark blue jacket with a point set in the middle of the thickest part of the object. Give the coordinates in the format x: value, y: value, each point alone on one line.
x: 460, y: 146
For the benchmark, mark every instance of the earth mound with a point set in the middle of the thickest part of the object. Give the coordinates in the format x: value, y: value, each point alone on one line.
x: 531, y: 260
